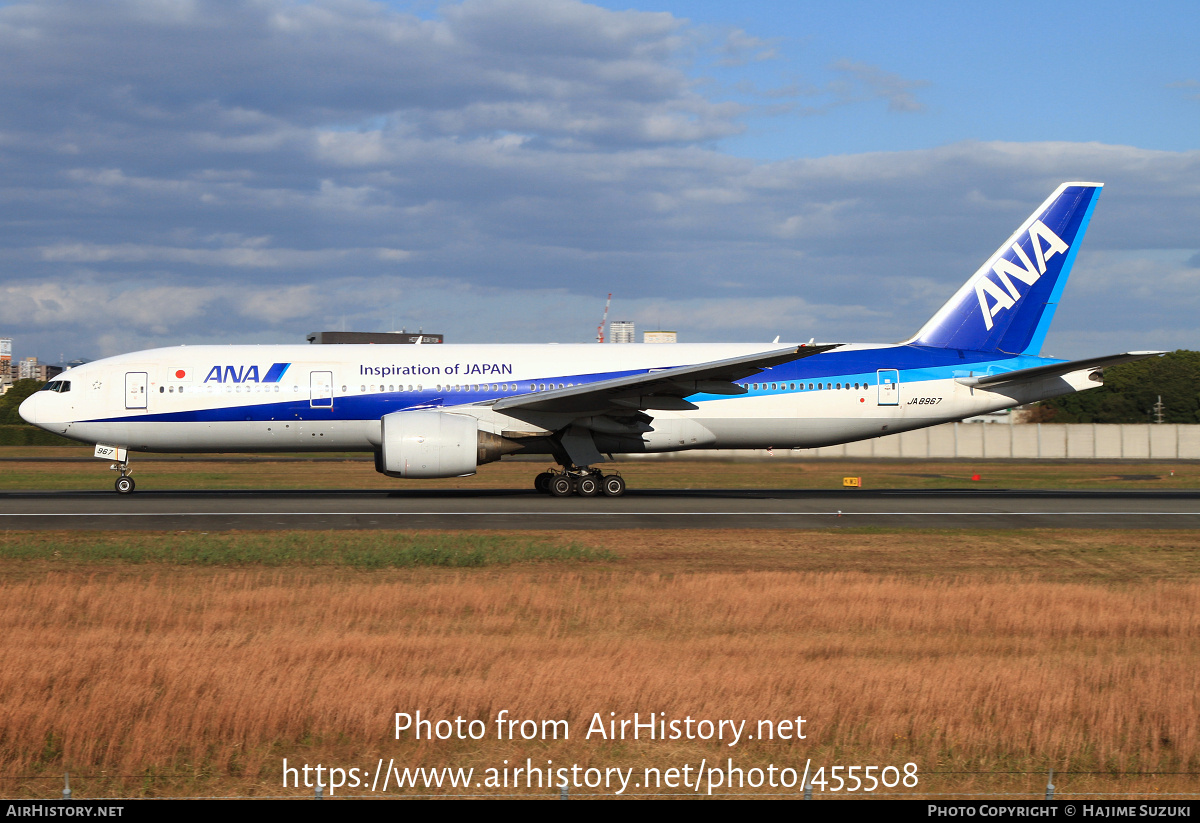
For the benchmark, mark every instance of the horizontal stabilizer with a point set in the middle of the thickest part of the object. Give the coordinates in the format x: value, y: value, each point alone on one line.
x: 1054, y: 369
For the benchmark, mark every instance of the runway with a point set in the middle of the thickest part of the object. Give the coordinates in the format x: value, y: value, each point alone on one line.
x: 505, y: 509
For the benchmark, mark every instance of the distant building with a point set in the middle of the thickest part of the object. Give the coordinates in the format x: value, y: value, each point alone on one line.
x: 622, y: 331
x: 1002, y: 416
x: 658, y: 337
x: 29, y: 369
x: 5, y: 360
x: 379, y: 337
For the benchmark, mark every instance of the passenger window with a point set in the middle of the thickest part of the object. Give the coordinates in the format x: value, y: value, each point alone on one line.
x: 162, y: 389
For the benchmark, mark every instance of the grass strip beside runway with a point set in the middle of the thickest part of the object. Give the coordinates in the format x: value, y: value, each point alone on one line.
x: 353, y: 550
x: 1066, y: 555
x: 33, y: 469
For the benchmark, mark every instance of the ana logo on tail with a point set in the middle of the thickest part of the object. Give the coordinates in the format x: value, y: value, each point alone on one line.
x: 1026, y: 272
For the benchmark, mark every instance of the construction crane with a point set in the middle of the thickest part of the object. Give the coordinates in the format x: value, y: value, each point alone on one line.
x: 600, y: 328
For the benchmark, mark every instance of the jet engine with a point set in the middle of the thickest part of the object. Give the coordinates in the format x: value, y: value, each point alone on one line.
x: 436, y: 444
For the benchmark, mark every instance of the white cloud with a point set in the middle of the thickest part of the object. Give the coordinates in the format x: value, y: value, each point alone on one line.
x: 873, y: 82
x: 249, y: 256
x: 251, y: 172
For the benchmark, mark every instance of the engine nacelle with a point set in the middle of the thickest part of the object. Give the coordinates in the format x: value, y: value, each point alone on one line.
x: 436, y: 444
x: 428, y: 444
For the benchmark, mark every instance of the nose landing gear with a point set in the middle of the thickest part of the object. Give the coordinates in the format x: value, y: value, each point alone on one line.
x: 124, y: 484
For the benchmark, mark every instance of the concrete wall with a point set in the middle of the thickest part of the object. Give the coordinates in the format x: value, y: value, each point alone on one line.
x: 1062, y: 441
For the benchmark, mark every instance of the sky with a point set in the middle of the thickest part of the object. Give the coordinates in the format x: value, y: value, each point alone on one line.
x: 198, y: 172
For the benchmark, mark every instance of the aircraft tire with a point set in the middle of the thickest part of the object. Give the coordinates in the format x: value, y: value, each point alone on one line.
x: 561, y: 486
x: 542, y: 482
x: 125, y: 485
x: 588, y: 486
x: 613, y: 485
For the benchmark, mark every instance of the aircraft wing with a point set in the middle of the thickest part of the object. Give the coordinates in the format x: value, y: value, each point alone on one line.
x: 658, y: 388
x: 1054, y: 369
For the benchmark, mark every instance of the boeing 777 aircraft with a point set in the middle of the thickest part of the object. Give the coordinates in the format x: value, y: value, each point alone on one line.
x: 441, y: 411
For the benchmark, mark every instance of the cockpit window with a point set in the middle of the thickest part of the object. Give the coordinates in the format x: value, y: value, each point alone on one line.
x: 57, y: 386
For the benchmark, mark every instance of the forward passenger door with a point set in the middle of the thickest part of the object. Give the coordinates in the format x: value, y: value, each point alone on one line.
x: 320, y: 389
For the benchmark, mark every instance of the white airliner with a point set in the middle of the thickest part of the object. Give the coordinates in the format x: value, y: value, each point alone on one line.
x: 443, y: 410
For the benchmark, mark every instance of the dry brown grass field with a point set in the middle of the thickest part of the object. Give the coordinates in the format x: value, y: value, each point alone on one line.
x: 983, y: 657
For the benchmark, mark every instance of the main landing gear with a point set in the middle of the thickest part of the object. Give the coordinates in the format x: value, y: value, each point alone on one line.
x: 124, y: 484
x: 585, y: 483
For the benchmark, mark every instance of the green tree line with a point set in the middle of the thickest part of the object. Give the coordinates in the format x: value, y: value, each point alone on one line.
x: 1130, y: 391
x: 16, y: 432
x: 10, y: 401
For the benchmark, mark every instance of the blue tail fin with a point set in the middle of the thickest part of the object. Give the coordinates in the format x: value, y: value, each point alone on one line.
x: 1008, y: 304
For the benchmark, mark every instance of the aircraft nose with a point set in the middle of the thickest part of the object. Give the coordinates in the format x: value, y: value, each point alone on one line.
x: 28, y: 409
